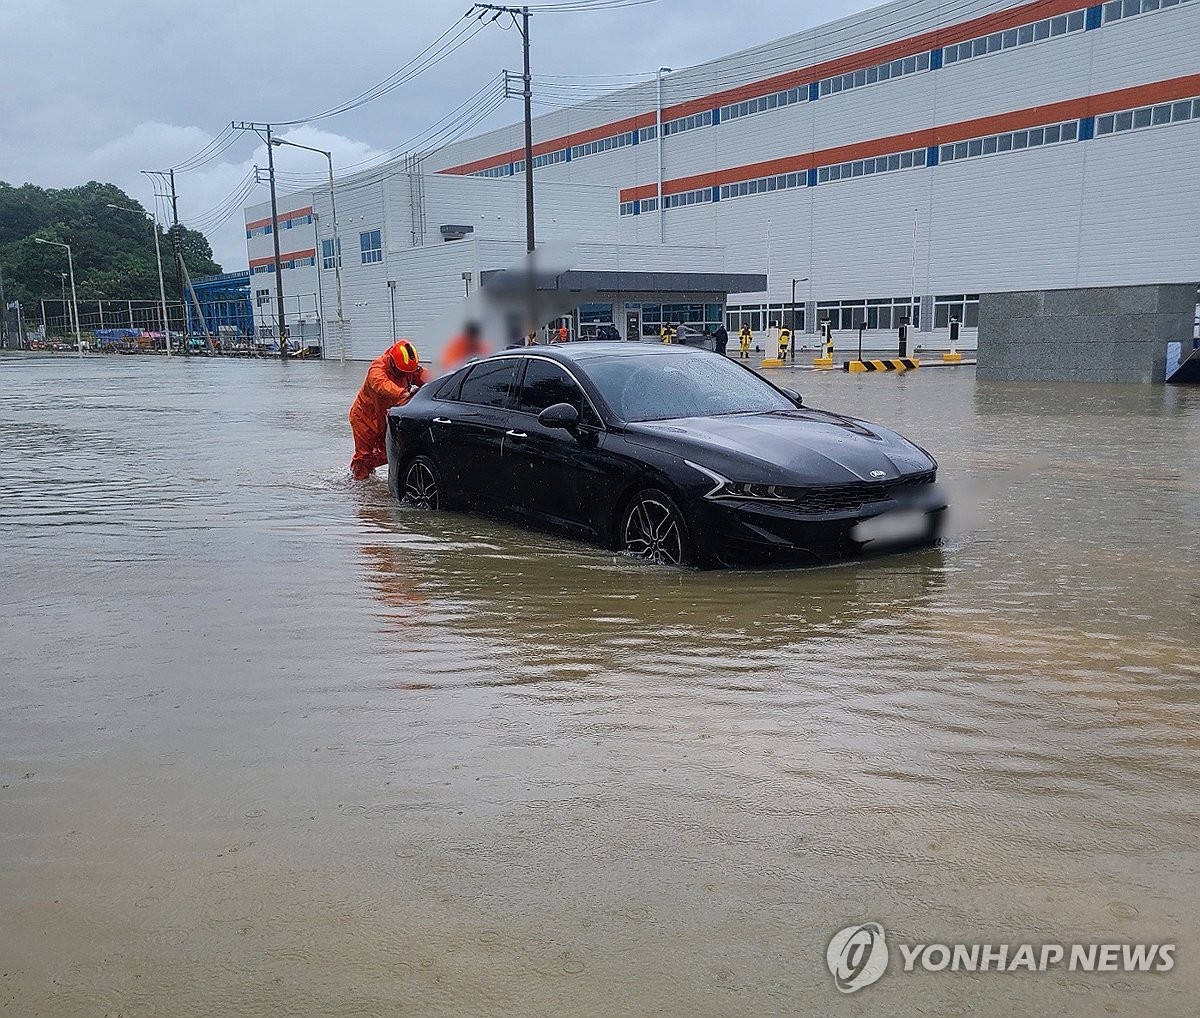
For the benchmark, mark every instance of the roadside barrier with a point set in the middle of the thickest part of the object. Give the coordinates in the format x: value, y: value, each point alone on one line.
x: 884, y: 364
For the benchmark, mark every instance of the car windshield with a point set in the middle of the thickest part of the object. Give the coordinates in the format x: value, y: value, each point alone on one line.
x: 662, y: 387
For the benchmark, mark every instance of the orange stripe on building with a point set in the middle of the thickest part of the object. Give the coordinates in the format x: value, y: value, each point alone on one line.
x: 1184, y: 87
x: 295, y: 213
x: 285, y: 257
x: 934, y: 39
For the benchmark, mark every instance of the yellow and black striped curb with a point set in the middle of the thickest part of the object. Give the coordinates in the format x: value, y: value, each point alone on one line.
x: 887, y: 364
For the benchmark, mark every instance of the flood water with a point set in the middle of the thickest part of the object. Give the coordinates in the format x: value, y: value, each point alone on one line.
x: 272, y: 745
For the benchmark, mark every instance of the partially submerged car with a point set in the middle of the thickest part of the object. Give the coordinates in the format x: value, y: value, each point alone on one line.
x: 676, y: 455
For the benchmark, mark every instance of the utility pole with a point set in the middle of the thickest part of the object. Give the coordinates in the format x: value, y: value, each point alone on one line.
x: 3, y: 315
x: 527, y: 95
x: 177, y: 248
x: 528, y: 133
x: 259, y: 129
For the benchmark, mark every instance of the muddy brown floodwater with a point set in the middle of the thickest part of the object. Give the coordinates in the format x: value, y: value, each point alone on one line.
x: 270, y: 744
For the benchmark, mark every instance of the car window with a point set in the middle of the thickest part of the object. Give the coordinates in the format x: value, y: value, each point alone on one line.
x: 546, y: 384
x: 661, y: 387
x: 490, y: 382
x: 448, y: 388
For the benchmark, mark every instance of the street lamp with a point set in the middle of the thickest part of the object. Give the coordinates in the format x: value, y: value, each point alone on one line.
x: 162, y: 290
x: 802, y: 279
x: 658, y: 132
x: 74, y: 299
x: 337, y: 244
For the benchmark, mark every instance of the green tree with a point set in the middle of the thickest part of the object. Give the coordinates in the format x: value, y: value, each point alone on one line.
x: 113, y: 250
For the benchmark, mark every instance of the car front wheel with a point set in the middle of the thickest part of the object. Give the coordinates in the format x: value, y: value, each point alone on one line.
x: 654, y: 528
x: 422, y: 485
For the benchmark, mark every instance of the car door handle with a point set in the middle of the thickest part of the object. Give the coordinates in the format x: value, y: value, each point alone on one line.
x: 442, y: 420
x: 516, y: 434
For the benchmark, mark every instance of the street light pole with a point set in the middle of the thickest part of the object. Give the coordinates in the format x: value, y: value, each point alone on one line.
x: 74, y: 297
x: 658, y: 135
x: 337, y: 243
x: 162, y: 289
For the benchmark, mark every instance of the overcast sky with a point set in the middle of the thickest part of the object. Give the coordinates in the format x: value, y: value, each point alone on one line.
x: 95, y: 90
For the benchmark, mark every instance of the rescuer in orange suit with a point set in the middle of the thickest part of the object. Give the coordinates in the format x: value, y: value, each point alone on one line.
x: 391, y: 380
x: 467, y: 344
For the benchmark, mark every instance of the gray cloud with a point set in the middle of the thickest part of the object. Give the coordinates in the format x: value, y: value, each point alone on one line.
x: 103, y: 90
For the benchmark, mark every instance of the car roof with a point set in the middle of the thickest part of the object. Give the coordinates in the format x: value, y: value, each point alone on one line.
x: 607, y: 349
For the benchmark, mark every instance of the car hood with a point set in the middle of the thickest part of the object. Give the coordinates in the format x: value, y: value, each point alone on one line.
x: 786, y: 447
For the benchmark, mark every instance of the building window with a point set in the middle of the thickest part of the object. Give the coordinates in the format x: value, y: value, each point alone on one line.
x: 1010, y: 141
x: 262, y: 297
x: 649, y: 204
x: 964, y: 307
x: 546, y: 159
x: 502, y: 170
x: 371, y: 245
x: 327, y: 258
x: 697, y: 197
x: 783, y: 182
x: 1115, y: 10
x: 681, y: 124
x: 761, y: 103
x: 871, y: 75
x: 1148, y: 116
x: 874, y: 313
x: 600, y: 145
x: 871, y: 166
x: 760, y: 316
x: 1047, y: 28
x: 595, y: 314
x: 628, y: 208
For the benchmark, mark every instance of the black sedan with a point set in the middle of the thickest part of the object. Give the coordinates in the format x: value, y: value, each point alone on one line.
x: 676, y: 455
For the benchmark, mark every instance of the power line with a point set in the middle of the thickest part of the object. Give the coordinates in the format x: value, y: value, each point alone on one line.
x: 460, y: 34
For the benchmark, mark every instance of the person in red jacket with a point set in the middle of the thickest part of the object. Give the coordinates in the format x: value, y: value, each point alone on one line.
x: 391, y: 380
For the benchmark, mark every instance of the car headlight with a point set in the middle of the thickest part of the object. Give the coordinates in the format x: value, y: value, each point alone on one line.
x: 723, y: 487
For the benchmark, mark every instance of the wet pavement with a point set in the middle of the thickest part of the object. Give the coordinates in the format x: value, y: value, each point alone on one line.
x: 270, y: 744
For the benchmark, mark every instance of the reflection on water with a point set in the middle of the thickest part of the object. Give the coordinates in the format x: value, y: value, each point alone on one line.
x: 270, y: 743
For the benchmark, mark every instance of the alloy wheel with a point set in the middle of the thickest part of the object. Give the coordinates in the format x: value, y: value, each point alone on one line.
x: 652, y: 532
x: 420, y: 486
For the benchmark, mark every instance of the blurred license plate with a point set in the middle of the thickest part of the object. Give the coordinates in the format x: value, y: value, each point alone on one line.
x: 899, y: 526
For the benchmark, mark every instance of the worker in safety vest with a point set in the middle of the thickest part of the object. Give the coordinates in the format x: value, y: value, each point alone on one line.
x: 667, y: 333
x: 562, y: 335
x: 745, y: 338
x: 391, y: 381
x: 785, y: 342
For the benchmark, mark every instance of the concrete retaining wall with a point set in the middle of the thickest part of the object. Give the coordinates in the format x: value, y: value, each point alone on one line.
x: 1105, y: 334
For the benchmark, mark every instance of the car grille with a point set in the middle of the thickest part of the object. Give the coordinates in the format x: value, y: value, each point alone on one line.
x: 844, y: 498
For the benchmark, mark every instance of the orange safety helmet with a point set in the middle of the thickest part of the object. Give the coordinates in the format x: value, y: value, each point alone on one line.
x: 403, y: 357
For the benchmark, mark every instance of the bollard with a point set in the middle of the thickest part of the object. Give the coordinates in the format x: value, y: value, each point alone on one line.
x: 826, y: 358
x: 953, y: 356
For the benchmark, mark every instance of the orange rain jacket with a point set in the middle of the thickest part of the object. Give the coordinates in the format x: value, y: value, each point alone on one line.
x: 386, y: 386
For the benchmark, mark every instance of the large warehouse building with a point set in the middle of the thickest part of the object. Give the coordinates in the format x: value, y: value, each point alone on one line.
x: 896, y: 163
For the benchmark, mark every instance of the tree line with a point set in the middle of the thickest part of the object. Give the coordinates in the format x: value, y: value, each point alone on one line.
x: 113, y: 250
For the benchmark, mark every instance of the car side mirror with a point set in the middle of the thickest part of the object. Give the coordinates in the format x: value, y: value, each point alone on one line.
x: 794, y: 396
x: 560, y: 415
